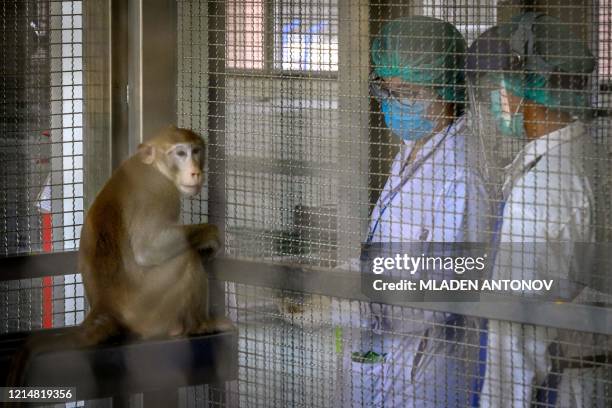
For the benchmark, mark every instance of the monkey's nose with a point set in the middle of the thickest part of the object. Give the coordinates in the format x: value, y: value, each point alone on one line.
x: 196, y: 177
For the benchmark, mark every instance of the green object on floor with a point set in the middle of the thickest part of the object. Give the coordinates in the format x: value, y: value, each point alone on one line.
x: 338, y: 336
x: 369, y: 357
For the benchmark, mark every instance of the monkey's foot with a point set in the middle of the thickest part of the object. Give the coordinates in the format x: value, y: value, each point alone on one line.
x: 176, y: 332
x: 215, y: 325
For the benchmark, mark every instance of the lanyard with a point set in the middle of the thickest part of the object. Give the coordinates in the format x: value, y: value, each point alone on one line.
x: 405, y: 178
x: 498, y: 226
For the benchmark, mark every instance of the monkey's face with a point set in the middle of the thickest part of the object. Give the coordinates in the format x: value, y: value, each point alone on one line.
x: 184, y: 162
x: 179, y: 155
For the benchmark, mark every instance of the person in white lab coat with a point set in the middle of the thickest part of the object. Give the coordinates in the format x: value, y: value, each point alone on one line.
x: 414, y: 357
x: 527, y: 80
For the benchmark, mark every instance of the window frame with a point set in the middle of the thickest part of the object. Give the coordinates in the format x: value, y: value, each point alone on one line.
x: 269, y: 49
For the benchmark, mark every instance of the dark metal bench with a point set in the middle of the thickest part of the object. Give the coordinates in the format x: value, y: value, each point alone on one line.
x: 123, y: 368
x: 119, y: 368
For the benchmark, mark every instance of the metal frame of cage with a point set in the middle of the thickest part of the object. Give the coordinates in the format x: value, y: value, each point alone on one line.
x: 136, y: 94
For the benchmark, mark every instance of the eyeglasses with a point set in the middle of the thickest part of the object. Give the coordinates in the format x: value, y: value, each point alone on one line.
x: 381, y: 89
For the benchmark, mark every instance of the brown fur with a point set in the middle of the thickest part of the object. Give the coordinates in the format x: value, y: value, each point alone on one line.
x: 150, y: 301
x: 137, y: 211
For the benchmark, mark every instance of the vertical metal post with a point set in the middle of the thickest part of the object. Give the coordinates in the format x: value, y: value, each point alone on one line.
x: 120, y: 137
x: 216, y: 113
x: 383, y: 145
x: 159, y: 65
x: 100, y: 44
x: 354, y: 102
x: 216, y: 136
x: 152, y: 68
x: 221, y: 394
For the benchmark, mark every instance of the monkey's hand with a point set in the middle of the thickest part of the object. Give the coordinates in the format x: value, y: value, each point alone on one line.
x: 204, y: 237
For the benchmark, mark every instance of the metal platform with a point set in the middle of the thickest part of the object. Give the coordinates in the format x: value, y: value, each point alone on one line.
x: 123, y: 368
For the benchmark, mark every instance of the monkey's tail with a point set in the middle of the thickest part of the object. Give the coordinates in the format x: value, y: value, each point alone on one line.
x: 96, y: 328
x: 39, y: 342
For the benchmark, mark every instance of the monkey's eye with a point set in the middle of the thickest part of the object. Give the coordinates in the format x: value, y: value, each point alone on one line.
x: 181, y: 153
x: 195, y: 151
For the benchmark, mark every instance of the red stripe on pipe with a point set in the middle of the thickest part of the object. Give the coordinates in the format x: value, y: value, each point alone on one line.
x: 47, y: 282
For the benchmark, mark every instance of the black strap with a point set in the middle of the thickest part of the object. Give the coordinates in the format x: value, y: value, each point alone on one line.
x: 522, y: 43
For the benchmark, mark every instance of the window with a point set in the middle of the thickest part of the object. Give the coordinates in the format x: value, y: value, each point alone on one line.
x: 245, y: 34
x: 305, y: 35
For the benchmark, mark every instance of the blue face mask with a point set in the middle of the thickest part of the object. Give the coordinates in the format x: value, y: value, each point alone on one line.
x: 407, y: 120
x: 509, y: 124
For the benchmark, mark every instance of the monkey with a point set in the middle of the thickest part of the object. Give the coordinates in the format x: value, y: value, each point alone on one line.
x: 141, y: 270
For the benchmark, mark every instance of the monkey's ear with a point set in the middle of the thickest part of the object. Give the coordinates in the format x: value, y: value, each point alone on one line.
x: 146, y: 152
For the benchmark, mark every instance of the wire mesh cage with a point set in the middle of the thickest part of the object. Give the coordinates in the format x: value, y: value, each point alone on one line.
x: 42, y: 147
x: 325, y: 145
x: 334, y: 123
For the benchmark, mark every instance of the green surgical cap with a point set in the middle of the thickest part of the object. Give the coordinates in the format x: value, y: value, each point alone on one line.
x: 422, y: 50
x: 535, y: 87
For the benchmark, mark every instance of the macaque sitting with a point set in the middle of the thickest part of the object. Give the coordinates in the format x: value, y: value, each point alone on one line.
x: 141, y: 270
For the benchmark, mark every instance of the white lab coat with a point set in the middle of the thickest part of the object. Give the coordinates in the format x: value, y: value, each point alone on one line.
x: 549, y: 199
x: 442, y: 199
